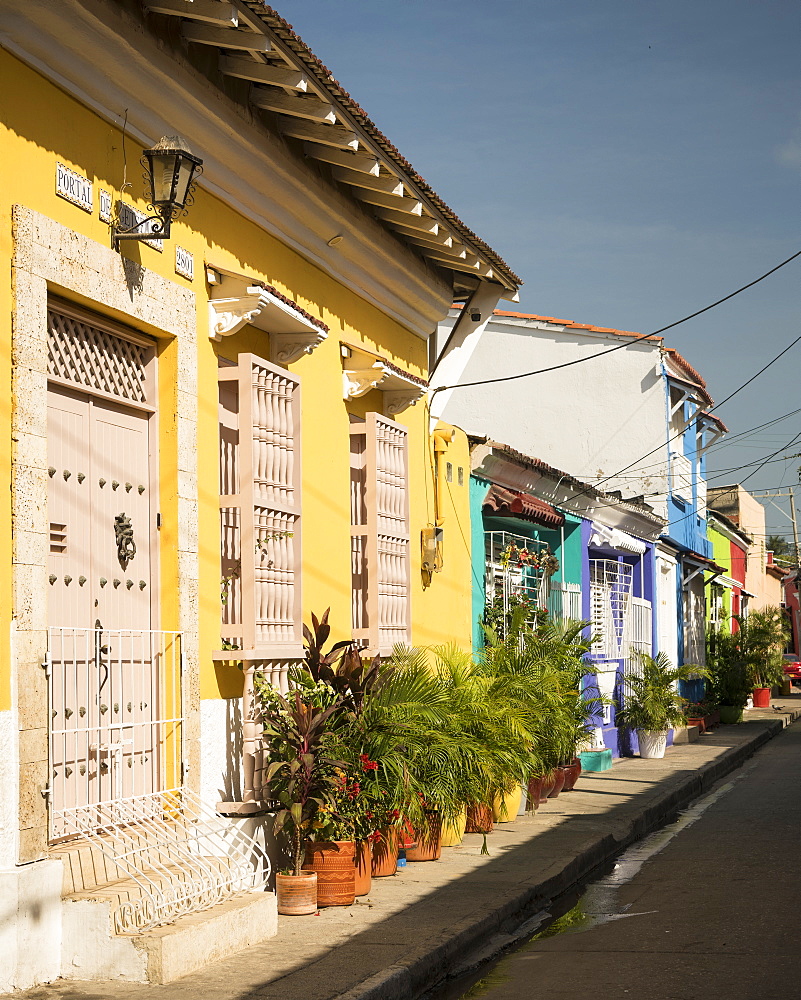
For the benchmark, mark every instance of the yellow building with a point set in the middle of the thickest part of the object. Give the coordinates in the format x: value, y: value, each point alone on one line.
x: 211, y: 433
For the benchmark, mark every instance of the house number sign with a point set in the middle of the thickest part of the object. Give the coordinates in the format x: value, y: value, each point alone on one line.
x: 74, y: 187
x: 184, y: 263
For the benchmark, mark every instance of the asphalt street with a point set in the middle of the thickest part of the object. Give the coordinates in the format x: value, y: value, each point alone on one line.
x: 708, y: 908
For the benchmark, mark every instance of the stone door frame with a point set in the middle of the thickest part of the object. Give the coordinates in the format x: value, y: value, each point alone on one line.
x: 51, y: 259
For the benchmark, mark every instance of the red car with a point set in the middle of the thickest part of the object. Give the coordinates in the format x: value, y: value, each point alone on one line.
x: 792, y: 668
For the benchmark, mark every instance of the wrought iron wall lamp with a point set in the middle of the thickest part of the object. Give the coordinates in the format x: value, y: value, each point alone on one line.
x: 171, y: 171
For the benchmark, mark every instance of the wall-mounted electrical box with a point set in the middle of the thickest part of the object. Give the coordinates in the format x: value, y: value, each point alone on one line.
x: 431, y: 541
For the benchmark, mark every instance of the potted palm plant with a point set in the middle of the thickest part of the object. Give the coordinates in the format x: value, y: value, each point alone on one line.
x: 762, y: 636
x: 739, y: 659
x: 652, y: 702
x: 543, y: 670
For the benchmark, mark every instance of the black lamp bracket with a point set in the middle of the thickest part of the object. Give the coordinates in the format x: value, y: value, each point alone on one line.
x: 160, y: 230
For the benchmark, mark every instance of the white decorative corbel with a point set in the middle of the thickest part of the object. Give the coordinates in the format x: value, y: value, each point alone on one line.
x: 240, y: 301
x: 363, y: 372
x: 230, y: 314
x: 398, y: 401
x: 359, y: 381
x: 286, y: 348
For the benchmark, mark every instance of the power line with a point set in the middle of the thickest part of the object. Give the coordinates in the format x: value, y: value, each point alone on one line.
x: 633, y: 340
x: 682, y: 432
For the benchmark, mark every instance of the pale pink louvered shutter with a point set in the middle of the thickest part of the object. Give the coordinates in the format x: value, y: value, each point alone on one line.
x: 260, y: 508
x: 380, y: 533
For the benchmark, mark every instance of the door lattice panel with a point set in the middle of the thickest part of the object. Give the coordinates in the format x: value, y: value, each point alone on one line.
x: 93, y: 358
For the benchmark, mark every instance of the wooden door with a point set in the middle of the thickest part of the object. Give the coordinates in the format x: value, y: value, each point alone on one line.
x: 104, y: 665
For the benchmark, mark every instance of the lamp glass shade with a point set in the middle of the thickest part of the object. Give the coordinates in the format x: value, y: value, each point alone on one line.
x: 171, y: 168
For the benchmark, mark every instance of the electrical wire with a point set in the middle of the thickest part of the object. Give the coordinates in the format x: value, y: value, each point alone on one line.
x: 633, y: 340
x: 680, y: 433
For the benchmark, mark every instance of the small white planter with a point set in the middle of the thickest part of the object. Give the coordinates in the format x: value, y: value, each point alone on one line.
x: 652, y: 744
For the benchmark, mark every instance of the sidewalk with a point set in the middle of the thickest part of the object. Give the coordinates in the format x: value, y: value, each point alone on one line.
x: 425, y: 923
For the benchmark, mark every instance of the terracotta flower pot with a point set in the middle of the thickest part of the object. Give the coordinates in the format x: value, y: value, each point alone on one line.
x: 335, y: 864
x: 762, y: 697
x: 504, y: 810
x: 548, y: 782
x: 572, y: 772
x: 385, y: 854
x: 479, y: 819
x: 558, y: 784
x: 429, y: 842
x: 700, y: 722
x: 452, y: 833
x: 535, y: 792
x: 296, y: 894
x: 364, y: 864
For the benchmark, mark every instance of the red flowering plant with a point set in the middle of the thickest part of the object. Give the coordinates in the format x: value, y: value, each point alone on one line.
x: 360, y: 810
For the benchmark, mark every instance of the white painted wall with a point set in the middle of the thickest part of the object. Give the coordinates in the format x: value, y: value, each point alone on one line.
x: 9, y: 789
x: 30, y: 895
x: 667, y: 604
x: 590, y: 420
x: 30, y: 924
x: 220, y: 750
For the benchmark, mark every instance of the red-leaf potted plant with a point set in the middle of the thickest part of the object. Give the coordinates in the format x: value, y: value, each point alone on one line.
x: 302, y: 779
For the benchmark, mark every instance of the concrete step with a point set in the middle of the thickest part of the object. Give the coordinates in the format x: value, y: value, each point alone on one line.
x: 92, y: 952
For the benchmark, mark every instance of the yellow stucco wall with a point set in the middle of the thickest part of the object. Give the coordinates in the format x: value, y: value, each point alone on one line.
x: 42, y: 125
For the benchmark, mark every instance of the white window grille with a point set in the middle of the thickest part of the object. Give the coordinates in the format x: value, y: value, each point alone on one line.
x: 715, y: 605
x: 513, y: 574
x: 694, y: 623
x: 681, y: 476
x: 564, y: 601
x: 380, y: 558
x: 638, y: 637
x: 260, y: 508
x: 610, y: 597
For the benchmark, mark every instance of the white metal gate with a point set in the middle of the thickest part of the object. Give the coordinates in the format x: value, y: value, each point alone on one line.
x: 513, y: 575
x: 116, y: 720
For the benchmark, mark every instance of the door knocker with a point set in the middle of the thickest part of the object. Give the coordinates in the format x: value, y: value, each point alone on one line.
x: 123, y: 532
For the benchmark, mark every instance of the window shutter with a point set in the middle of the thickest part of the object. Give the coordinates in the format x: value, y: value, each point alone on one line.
x: 380, y: 533
x: 260, y: 508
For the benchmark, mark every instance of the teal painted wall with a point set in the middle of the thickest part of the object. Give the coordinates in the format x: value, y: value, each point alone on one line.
x: 569, y: 555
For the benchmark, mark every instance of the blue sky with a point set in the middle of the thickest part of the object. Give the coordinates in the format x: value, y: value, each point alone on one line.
x: 631, y: 160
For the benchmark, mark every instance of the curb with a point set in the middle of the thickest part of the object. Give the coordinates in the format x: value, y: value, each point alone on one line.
x: 517, y: 916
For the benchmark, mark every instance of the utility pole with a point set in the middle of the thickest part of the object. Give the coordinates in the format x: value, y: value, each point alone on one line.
x: 785, y: 493
x: 795, y: 527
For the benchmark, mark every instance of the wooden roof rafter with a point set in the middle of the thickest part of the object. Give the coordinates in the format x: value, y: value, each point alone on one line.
x: 306, y: 103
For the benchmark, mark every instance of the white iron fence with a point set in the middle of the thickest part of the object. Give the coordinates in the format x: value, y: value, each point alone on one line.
x: 169, y: 855
x: 116, y: 779
x: 564, y: 600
